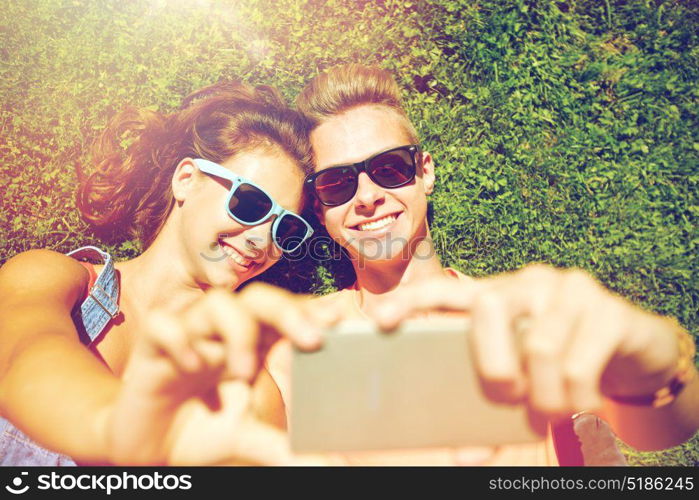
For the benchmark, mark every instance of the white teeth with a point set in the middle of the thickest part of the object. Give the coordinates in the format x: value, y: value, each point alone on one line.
x: 377, y: 224
x: 234, y: 255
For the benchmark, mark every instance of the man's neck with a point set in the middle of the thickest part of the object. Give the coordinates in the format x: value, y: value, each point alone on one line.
x: 378, y: 280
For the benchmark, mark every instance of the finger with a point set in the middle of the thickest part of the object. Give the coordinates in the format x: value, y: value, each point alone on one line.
x: 262, y: 444
x: 227, y: 433
x: 448, y: 294
x: 164, y: 335
x: 558, y: 302
x: 439, y: 293
x: 530, y: 290
x: 212, y: 353
x: 544, y: 344
x: 204, y: 336
x: 254, y: 442
x: 542, y: 296
x: 323, y: 313
x: 229, y: 321
x: 494, y: 348
x: 283, y: 312
x: 594, y: 344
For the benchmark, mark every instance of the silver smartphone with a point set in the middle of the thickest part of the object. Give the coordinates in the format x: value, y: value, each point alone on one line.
x: 411, y: 388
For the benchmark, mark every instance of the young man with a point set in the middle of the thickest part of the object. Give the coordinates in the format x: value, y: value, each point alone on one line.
x: 585, y: 349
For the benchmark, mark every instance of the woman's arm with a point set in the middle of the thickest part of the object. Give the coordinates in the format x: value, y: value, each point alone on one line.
x: 51, y: 386
x: 184, y: 397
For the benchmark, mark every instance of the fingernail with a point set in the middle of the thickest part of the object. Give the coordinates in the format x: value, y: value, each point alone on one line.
x: 386, y: 316
x: 190, y: 360
x: 312, y: 336
x: 244, y: 367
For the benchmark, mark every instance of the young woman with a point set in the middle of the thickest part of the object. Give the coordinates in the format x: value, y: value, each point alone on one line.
x: 585, y: 349
x: 148, y: 361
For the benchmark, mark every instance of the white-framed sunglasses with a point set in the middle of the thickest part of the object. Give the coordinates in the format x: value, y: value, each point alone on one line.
x: 250, y: 205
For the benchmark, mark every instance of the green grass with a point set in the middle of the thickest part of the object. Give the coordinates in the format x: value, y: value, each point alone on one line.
x: 564, y: 132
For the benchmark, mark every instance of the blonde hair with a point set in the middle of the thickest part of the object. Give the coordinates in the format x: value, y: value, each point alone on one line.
x: 342, y: 88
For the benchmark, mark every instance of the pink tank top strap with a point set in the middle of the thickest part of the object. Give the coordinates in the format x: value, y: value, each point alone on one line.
x: 93, y: 276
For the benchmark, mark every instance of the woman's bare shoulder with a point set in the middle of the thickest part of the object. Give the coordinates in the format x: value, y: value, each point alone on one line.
x: 42, y: 273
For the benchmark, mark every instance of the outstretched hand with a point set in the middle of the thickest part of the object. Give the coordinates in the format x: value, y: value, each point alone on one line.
x: 185, y: 396
x: 581, y: 342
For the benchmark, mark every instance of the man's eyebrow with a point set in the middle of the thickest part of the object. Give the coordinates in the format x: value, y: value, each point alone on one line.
x: 350, y: 162
x: 363, y: 159
x: 343, y: 164
x: 336, y: 164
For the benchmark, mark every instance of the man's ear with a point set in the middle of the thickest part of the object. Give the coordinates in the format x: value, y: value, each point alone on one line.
x: 183, y: 179
x: 318, y: 211
x: 428, y: 176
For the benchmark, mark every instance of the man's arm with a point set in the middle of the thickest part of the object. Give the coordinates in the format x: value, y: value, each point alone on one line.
x: 656, y: 428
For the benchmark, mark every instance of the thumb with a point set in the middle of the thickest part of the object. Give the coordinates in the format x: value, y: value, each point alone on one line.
x: 444, y: 294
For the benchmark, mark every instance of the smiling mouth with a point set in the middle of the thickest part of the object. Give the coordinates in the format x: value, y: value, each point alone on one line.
x: 377, y: 224
x: 236, y: 256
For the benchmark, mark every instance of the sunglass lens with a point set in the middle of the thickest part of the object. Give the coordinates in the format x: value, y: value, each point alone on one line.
x: 392, y: 169
x: 249, y: 204
x: 336, y: 186
x: 291, y: 231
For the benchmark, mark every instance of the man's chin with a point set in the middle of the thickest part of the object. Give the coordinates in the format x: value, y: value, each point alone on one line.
x: 380, y: 255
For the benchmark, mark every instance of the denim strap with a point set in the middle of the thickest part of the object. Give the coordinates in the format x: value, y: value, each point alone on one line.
x: 102, y: 303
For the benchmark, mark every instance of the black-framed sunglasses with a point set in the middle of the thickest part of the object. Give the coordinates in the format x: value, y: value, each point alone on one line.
x: 392, y: 168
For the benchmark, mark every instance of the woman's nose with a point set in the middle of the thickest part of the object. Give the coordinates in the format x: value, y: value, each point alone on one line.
x: 259, y: 237
x: 369, y: 193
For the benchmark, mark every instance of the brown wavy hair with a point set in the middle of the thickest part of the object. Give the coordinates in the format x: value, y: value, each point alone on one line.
x: 128, y: 192
x: 344, y: 87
